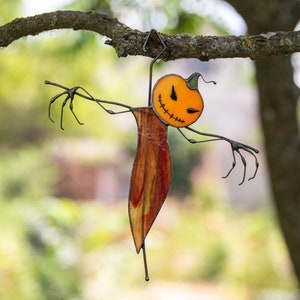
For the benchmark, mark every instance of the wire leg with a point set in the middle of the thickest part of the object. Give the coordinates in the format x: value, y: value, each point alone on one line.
x: 147, y: 278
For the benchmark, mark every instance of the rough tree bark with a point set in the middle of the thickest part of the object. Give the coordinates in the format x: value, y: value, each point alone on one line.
x: 278, y: 94
x: 127, y: 41
x: 278, y: 110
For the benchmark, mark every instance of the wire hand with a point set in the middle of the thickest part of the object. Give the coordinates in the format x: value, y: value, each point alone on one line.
x: 236, y: 147
x: 70, y: 95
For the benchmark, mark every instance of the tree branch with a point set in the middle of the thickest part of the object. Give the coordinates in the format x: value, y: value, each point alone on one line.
x: 127, y: 41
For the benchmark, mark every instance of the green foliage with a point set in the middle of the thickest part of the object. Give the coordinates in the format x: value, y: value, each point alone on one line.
x: 100, y: 6
x: 60, y: 250
x: 185, y: 157
x: 15, y: 276
x: 221, y: 245
x: 26, y: 174
x: 171, y: 17
x: 53, y: 249
x: 9, y: 10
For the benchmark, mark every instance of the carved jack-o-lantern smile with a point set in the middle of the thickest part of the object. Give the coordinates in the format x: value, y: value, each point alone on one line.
x: 176, y: 100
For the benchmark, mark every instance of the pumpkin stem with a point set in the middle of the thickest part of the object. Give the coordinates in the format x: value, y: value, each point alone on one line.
x: 192, y: 81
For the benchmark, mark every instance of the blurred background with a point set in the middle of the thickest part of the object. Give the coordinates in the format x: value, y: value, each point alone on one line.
x: 63, y: 220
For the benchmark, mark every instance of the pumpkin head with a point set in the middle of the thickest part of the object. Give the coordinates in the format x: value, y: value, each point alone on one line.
x: 177, y: 101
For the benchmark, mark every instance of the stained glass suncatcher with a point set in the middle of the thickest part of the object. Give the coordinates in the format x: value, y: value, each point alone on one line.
x: 173, y: 101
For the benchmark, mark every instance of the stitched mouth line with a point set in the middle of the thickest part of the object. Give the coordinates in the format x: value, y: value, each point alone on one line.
x: 166, y: 111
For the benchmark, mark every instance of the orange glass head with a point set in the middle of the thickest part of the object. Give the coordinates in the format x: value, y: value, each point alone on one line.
x: 177, y: 101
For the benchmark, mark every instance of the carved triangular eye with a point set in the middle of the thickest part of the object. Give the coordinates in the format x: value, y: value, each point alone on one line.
x: 192, y: 110
x: 173, y: 94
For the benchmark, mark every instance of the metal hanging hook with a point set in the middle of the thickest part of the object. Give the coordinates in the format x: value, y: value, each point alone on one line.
x: 165, y: 47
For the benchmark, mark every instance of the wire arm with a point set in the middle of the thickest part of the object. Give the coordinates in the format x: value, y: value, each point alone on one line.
x: 236, y: 147
x: 70, y: 95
